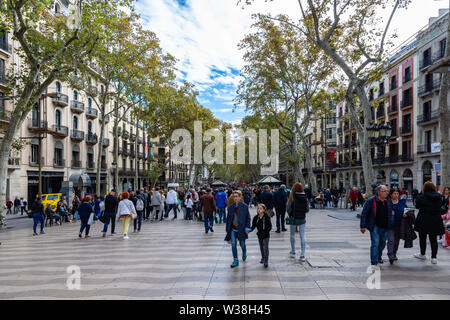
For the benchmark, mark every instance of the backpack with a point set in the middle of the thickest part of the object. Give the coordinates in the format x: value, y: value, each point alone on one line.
x: 139, y: 204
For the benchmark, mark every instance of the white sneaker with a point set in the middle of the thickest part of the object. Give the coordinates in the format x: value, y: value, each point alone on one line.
x: 292, y: 254
x: 420, y: 256
x: 125, y: 238
x: 434, y: 261
x: 302, y: 259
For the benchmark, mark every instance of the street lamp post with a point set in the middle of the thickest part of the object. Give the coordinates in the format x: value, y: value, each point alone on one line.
x: 379, y: 135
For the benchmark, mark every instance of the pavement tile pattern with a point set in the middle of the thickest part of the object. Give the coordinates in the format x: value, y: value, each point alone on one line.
x: 177, y: 260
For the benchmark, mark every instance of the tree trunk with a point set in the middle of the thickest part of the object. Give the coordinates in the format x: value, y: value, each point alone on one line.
x: 116, y: 153
x: 136, y: 173
x: 311, y: 176
x: 100, y: 150
x: 444, y: 115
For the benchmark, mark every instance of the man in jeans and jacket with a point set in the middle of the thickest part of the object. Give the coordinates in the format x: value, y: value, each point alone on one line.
x: 111, y: 203
x: 208, y: 207
x: 374, y: 217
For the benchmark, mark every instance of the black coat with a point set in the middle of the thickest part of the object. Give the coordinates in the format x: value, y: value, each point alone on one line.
x: 429, y: 219
x: 407, y: 231
x: 298, y: 208
x: 263, y: 226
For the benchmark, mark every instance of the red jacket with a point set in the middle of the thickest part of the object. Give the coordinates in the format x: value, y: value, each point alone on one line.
x: 353, y: 195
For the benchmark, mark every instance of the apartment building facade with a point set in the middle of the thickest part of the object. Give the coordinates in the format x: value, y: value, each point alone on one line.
x: 62, y: 133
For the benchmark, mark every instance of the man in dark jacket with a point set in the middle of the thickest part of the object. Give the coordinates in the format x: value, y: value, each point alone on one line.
x: 208, y: 207
x: 267, y: 200
x: 37, y: 210
x: 280, y: 202
x: 238, y: 226
x: 139, y: 204
x: 111, y: 203
x: 375, y: 218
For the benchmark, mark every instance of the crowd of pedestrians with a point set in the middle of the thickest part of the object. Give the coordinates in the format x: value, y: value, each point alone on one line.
x: 385, y: 215
x: 388, y: 219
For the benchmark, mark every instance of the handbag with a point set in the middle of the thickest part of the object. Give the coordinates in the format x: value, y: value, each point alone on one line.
x: 91, y: 218
x: 290, y: 220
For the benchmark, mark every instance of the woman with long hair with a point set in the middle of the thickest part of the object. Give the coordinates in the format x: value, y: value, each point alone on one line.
x: 297, y: 208
x: 429, y: 221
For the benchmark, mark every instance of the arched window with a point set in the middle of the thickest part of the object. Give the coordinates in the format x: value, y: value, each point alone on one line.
x: 58, y: 87
x: 58, y: 118
x: 57, y: 8
x: 34, y: 115
x: 75, y: 123
x: 75, y: 95
x: 90, y: 103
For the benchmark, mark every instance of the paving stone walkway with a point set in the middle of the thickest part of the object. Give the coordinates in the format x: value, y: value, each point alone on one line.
x: 177, y: 260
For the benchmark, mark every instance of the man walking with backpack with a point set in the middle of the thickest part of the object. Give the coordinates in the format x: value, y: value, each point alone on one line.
x: 280, y: 201
x: 139, y: 204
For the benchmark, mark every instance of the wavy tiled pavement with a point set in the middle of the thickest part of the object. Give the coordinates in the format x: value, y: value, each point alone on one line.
x: 177, y: 260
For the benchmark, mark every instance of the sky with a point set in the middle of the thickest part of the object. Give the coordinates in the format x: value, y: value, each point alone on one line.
x: 204, y: 34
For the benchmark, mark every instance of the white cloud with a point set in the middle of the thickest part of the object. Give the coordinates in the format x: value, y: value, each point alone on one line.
x: 204, y: 35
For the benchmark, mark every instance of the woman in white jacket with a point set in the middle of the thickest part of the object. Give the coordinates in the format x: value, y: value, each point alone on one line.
x: 124, y: 212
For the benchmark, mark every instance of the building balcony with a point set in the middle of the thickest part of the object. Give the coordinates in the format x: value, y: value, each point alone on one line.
x: 77, y: 106
x: 132, y: 137
x: 90, y: 165
x: 76, y: 164
x: 59, y: 163
x: 60, y: 131
x: 91, y: 113
x: 428, y: 88
x: 356, y: 163
x: 393, y: 109
x: 35, y: 162
x: 425, y: 63
x: 424, y: 149
x: 126, y: 152
x: 100, y: 117
x: 35, y: 125
x: 437, y: 56
x: 92, y: 90
x: 405, y: 131
x: 105, y: 142
x: 59, y: 99
x: 91, y: 138
x: 140, y: 155
x: 14, y: 163
x: 406, y: 104
x: 6, y: 47
x: 132, y: 153
x: 380, y: 113
x: 428, y: 118
x: 77, y: 135
x: 125, y: 135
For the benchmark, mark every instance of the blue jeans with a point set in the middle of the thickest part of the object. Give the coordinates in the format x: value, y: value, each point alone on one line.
x: 138, y: 221
x: 234, y: 240
x: 173, y: 206
x: 301, y: 231
x: 76, y: 216
x: 209, y: 220
x: 37, y: 217
x: 378, y: 239
x: 109, y: 216
x: 189, y: 213
x: 84, y: 224
x: 222, y: 215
